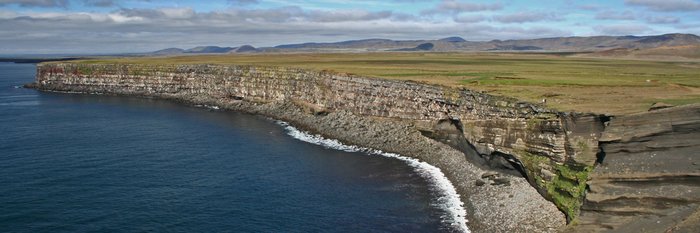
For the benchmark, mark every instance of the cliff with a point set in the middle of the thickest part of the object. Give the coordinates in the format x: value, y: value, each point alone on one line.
x: 555, y: 151
x: 649, y: 178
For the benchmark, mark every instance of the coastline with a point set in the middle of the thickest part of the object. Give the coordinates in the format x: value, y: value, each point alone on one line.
x: 512, y: 207
x: 389, y: 116
x: 490, y: 207
x: 571, y: 161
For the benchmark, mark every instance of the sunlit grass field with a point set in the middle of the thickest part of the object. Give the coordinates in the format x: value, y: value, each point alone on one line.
x: 610, y: 86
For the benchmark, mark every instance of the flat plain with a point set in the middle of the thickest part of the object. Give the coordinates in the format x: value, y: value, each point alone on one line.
x: 567, y: 82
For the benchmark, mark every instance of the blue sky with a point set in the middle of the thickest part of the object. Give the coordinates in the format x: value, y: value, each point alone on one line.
x: 108, y: 26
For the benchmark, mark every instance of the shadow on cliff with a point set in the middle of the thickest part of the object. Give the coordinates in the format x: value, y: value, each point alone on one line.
x: 451, y: 133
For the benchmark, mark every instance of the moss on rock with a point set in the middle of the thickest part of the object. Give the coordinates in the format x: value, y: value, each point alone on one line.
x: 566, y: 189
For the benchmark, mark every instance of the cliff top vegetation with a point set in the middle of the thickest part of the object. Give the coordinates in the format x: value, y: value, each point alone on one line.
x: 612, y: 86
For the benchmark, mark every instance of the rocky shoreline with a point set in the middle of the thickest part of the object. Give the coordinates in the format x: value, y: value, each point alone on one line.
x: 495, y: 202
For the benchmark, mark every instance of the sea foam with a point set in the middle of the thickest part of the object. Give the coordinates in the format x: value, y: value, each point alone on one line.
x: 447, y: 197
x: 212, y: 107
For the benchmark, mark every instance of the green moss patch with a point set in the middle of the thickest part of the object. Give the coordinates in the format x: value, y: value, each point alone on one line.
x: 566, y: 188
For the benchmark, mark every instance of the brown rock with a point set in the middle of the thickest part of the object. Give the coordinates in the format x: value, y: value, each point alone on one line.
x: 488, y: 174
x: 547, y: 175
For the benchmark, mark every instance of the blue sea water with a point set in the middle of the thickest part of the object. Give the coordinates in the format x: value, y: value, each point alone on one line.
x: 88, y: 163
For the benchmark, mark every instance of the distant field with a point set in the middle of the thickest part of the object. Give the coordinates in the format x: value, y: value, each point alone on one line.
x: 611, y: 86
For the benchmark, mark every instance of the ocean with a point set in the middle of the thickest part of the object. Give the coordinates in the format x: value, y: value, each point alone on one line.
x: 96, y: 163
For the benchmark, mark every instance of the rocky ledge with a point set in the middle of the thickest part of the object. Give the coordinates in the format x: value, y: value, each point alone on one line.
x: 649, y: 176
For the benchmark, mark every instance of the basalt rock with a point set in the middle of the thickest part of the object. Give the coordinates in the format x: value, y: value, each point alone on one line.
x: 649, y: 178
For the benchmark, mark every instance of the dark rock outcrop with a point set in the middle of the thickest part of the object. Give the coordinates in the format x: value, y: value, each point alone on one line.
x: 420, y: 47
x: 245, y: 49
x: 649, y: 178
x: 424, y: 47
x: 453, y: 39
x: 209, y: 49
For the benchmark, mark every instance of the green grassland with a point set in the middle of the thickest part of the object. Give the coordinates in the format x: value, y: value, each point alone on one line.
x: 612, y: 86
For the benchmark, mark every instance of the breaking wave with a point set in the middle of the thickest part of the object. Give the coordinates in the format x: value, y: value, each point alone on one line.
x: 447, y: 197
x: 212, y: 107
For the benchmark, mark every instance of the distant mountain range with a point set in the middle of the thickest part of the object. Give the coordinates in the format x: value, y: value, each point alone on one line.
x: 458, y: 44
x: 207, y: 49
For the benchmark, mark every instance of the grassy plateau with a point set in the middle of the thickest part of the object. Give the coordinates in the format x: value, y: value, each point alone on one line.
x: 611, y: 86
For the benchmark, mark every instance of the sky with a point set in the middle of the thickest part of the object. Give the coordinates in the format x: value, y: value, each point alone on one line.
x: 126, y: 26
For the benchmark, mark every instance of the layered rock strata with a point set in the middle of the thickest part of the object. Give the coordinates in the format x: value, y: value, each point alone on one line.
x: 649, y: 178
x: 555, y: 151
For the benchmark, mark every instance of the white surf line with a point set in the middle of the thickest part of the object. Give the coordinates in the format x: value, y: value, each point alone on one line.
x: 212, y: 107
x: 73, y: 92
x: 447, y: 196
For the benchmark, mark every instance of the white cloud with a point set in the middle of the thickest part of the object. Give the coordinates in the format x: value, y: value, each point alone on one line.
x: 469, y: 18
x: 666, y: 5
x: 178, y: 13
x: 663, y: 19
x: 615, y: 15
x: 100, y: 3
x: 35, y: 3
x: 138, y: 30
x: 524, y: 17
x: 456, y: 7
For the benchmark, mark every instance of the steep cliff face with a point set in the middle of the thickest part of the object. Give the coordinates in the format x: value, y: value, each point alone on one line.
x: 649, y: 179
x: 555, y: 150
